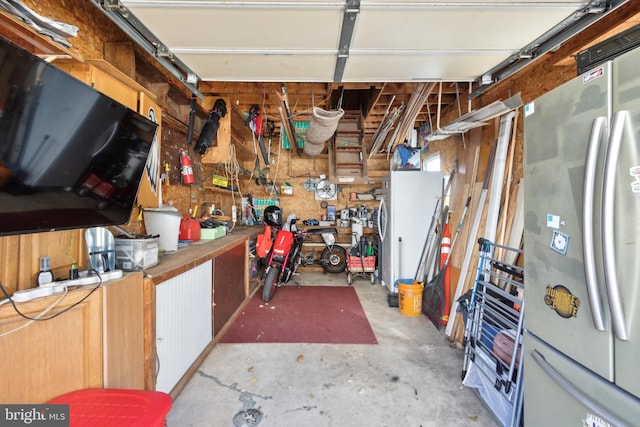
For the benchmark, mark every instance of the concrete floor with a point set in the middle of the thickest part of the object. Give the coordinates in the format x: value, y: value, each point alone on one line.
x: 410, y: 378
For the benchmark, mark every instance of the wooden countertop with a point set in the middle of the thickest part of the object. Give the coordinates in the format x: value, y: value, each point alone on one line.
x: 170, y: 264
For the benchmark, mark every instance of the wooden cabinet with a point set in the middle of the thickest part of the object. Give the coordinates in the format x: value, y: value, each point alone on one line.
x: 123, y: 329
x: 183, y: 323
x: 20, y: 254
x: 230, y: 284
x: 90, y: 338
x: 51, y: 357
x: 107, y: 79
x: 228, y: 288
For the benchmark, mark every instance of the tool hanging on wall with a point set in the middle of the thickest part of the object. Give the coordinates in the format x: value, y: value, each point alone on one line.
x: 255, y: 116
x: 263, y: 150
x: 254, y: 122
x: 254, y: 119
x: 165, y: 175
x: 271, y: 126
x: 287, y: 119
x: 192, y: 118
x: 210, y: 128
x: 186, y: 167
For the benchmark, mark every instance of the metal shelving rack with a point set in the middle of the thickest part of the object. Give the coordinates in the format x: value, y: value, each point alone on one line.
x: 493, y: 333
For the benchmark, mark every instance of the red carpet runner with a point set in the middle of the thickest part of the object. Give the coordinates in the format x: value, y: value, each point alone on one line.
x: 310, y: 314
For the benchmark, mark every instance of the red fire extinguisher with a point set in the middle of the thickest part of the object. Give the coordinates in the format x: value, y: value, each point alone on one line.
x: 186, y: 167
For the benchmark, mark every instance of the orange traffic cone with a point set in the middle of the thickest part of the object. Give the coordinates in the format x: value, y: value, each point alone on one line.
x: 445, y: 248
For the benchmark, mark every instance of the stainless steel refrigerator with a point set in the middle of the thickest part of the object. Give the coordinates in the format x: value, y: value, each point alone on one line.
x: 582, y: 250
x: 409, y: 198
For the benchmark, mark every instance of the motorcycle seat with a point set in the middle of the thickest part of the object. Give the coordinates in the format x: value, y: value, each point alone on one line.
x: 321, y: 230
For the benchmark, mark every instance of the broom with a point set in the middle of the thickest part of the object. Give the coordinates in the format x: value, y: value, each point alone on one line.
x: 433, y: 292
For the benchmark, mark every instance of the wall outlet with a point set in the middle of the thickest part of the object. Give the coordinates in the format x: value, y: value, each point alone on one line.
x: 234, y: 214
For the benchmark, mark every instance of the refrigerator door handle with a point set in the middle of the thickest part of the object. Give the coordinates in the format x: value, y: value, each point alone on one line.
x: 382, y: 219
x: 598, y: 127
x: 618, y: 124
x: 574, y: 391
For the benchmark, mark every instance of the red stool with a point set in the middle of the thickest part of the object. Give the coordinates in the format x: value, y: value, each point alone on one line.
x: 116, y: 407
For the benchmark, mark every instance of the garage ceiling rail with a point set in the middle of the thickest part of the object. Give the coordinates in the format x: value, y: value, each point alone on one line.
x: 350, y: 40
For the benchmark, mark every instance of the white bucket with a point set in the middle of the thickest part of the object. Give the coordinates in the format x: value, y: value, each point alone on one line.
x: 165, y: 222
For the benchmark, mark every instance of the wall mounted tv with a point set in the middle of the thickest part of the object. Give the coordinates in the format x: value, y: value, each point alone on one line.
x: 70, y: 157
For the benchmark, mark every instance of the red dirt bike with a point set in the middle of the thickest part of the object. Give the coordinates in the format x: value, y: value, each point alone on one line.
x: 286, y: 252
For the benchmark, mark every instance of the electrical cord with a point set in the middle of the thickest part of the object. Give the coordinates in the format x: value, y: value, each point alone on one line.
x: 232, y: 171
x: 232, y: 167
x: 39, y: 318
x: 67, y: 252
x: 42, y: 313
x: 275, y: 174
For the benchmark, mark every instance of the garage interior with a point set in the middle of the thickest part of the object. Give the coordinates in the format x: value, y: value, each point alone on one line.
x: 434, y: 76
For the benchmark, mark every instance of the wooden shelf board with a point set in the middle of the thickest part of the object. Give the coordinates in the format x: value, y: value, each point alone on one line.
x: 218, y: 189
x: 119, y: 75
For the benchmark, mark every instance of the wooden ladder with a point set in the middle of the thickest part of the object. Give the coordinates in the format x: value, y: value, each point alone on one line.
x: 347, y: 151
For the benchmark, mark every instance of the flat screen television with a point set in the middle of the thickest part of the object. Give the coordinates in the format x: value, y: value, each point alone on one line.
x: 70, y: 156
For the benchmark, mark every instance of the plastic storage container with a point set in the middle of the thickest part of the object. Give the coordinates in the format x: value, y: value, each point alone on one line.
x: 358, y: 265
x: 136, y: 254
x: 124, y: 408
x: 164, y: 222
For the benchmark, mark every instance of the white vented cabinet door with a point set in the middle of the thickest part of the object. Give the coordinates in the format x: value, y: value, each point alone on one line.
x: 183, y: 323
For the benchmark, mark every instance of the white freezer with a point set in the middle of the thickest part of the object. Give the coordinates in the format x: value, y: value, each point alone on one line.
x: 409, y: 199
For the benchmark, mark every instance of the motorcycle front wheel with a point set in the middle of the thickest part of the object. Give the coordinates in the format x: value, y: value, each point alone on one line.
x: 334, y: 260
x: 270, y: 283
